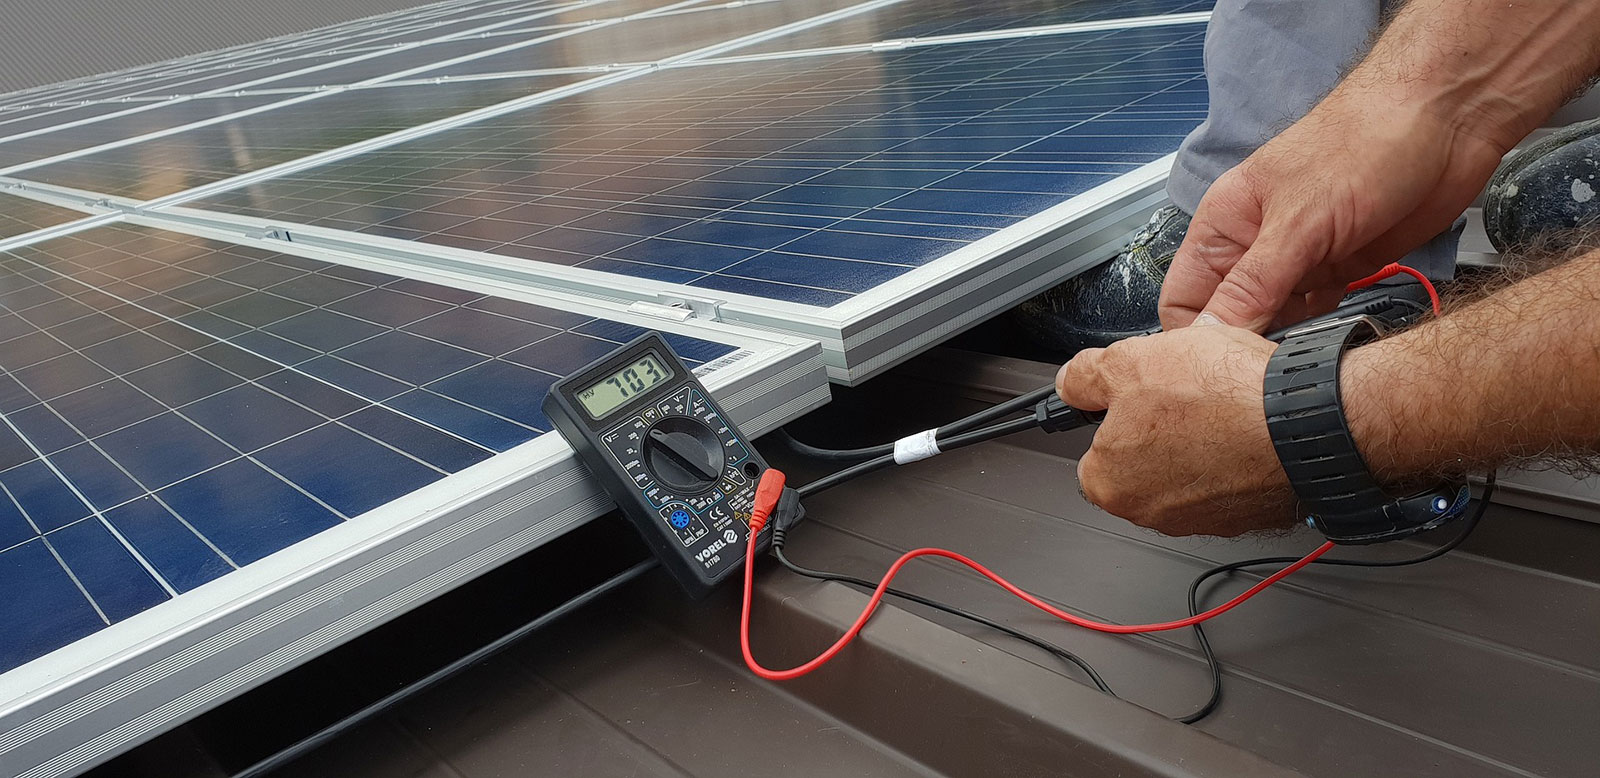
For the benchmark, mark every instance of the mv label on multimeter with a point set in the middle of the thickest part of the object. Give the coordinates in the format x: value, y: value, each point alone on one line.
x: 673, y: 461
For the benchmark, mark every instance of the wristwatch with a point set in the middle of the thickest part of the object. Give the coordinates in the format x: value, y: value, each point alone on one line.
x: 1305, y: 418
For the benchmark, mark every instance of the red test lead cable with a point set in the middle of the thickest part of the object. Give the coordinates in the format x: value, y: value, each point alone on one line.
x: 771, y: 488
x: 763, y: 509
x: 1393, y: 269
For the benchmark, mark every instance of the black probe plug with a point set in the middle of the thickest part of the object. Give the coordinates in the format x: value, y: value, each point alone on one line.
x: 788, y: 513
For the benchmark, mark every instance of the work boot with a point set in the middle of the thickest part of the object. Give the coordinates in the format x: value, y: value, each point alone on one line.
x: 1112, y: 301
x: 1547, y: 189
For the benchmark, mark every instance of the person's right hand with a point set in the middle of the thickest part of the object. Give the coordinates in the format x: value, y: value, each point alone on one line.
x: 1356, y: 184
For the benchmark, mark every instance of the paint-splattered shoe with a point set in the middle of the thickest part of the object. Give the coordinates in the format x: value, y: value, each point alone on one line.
x: 1547, y: 189
x: 1112, y: 301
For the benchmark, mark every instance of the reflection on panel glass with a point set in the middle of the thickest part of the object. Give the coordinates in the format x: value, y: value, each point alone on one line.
x: 807, y: 180
x: 926, y: 18
x: 209, y: 404
x: 163, y: 166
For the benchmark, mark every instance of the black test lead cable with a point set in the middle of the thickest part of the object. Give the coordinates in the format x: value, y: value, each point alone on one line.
x: 1015, y: 405
x: 958, y: 440
x: 883, y: 457
x: 1094, y: 677
x: 1469, y: 524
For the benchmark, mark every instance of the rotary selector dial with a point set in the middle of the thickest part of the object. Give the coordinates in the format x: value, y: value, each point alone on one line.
x: 684, y: 454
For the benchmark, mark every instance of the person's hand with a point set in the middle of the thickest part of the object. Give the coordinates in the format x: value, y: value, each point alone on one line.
x: 1184, y: 448
x: 1357, y: 183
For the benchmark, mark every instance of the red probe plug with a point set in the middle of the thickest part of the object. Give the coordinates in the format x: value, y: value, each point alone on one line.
x: 768, y: 490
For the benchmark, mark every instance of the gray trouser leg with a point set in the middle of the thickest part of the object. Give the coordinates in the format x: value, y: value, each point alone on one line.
x: 1267, y: 63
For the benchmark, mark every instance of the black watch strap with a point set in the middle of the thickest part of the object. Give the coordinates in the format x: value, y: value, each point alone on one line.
x: 1305, y: 418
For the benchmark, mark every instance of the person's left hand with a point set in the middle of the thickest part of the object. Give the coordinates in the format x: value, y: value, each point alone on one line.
x: 1184, y: 448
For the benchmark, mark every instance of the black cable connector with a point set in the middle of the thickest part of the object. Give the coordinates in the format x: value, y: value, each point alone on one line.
x: 787, y: 515
x: 1053, y: 415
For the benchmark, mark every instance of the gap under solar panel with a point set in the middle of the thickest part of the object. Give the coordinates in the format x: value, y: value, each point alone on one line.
x: 806, y: 180
x: 180, y: 161
x: 645, y: 39
x: 153, y: 118
x: 927, y: 18
x: 176, y: 408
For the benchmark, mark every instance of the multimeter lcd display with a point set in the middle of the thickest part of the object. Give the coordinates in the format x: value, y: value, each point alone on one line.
x: 615, y: 390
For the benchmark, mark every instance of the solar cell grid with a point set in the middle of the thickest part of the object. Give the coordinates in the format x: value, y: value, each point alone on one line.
x: 163, y: 166
x: 926, y: 18
x: 234, y: 68
x: 645, y: 39
x: 175, y: 408
x: 20, y: 215
x: 394, y: 62
x: 20, y: 151
x: 34, y: 119
x: 806, y: 180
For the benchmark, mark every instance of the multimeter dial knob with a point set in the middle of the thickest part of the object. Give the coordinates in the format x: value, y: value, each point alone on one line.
x: 683, y: 454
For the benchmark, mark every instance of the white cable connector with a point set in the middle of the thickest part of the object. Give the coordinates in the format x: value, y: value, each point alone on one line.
x: 914, y: 448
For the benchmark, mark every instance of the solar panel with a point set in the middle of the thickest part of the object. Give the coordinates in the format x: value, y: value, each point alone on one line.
x: 20, y: 216
x: 180, y: 161
x: 18, y: 122
x: 781, y: 186
x: 136, y: 120
x: 644, y: 39
x: 245, y: 66
x: 293, y: 388
x: 179, y: 410
x: 956, y: 17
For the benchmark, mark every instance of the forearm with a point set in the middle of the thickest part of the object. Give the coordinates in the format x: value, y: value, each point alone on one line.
x: 1494, y: 69
x: 1515, y: 375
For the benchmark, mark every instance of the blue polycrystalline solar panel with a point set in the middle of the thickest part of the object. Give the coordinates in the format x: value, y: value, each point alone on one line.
x: 646, y: 39
x: 175, y: 408
x: 26, y: 120
x: 125, y: 93
x: 807, y: 180
x: 19, y: 216
x: 377, y: 65
x: 927, y: 18
x: 173, y: 163
x: 246, y: 67
x: 24, y: 150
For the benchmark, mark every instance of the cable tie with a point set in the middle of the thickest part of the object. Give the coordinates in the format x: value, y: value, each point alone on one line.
x: 915, y: 448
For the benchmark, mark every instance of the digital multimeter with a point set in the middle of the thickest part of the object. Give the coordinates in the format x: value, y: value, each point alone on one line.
x: 675, y: 463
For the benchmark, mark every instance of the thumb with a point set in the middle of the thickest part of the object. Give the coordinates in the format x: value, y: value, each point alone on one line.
x: 1081, y: 382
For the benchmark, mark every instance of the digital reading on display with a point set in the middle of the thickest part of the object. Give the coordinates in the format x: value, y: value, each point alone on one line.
x: 615, y: 390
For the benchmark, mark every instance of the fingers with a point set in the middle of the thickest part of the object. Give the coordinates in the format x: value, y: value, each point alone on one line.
x: 1189, y: 284
x: 1082, y: 383
x: 1256, y: 288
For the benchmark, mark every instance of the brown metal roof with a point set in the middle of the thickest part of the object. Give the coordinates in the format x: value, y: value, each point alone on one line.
x: 1483, y: 663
